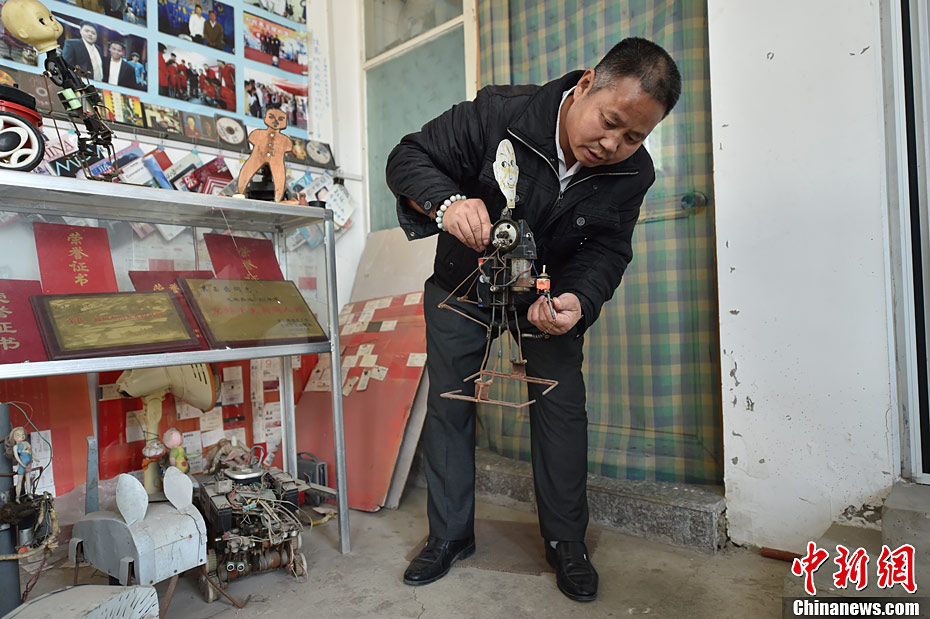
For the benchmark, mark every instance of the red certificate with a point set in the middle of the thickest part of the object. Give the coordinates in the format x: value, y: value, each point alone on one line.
x: 237, y: 257
x: 19, y: 334
x: 74, y: 259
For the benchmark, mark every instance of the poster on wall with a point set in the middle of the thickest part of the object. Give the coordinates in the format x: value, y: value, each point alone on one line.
x: 102, y: 54
x: 206, y: 22
x: 274, y: 44
x: 130, y: 11
x: 295, y: 10
x: 193, y: 77
x: 265, y: 92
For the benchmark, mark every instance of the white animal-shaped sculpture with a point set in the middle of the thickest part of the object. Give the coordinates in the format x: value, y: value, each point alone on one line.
x: 145, y: 542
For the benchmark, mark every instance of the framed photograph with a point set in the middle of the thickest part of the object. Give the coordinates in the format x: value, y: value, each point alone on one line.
x: 264, y: 92
x: 104, y: 55
x: 160, y: 118
x: 206, y: 22
x: 295, y: 10
x: 123, y: 109
x: 201, y: 129
x: 196, y: 78
x: 273, y: 44
x: 243, y: 312
x: 130, y: 11
x: 77, y: 326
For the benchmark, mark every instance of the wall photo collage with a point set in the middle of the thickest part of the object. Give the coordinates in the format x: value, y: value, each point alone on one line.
x: 200, y: 71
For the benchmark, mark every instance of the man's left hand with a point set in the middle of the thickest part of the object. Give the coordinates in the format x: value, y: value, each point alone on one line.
x: 567, y: 313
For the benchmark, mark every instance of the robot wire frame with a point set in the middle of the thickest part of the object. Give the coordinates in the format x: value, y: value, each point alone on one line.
x: 500, y: 276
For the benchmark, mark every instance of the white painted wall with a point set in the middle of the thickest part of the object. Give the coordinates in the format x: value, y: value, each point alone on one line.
x: 798, y: 158
x: 337, y: 25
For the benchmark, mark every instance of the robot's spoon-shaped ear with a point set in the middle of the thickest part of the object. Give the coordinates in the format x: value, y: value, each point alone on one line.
x: 178, y: 487
x: 131, y: 498
x: 506, y: 170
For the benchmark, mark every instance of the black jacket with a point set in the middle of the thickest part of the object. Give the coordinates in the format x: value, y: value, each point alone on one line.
x: 583, y: 235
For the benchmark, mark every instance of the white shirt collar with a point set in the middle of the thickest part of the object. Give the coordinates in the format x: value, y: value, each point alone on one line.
x: 565, y: 173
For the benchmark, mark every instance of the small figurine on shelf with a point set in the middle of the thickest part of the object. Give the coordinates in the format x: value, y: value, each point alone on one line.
x: 268, y: 149
x: 19, y: 452
x: 177, y: 455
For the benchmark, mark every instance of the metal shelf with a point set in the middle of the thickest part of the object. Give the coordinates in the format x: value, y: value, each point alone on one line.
x: 131, y: 362
x: 23, y: 192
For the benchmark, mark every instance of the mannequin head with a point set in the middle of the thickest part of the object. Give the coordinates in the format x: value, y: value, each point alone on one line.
x: 32, y: 22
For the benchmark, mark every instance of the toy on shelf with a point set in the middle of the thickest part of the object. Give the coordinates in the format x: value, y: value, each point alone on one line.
x: 193, y: 383
x: 177, y: 455
x: 268, y: 149
x: 19, y: 452
x: 32, y: 22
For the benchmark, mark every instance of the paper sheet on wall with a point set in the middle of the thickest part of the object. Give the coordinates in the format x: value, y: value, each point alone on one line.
x: 186, y: 411
x: 413, y: 298
x: 211, y: 420
x: 192, y: 444
x: 272, y: 415
x: 232, y: 392
x: 368, y: 361
x: 236, y: 433
x: 388, y: 325
x: 256, y: 385
x: 233, y: 372
x: 135, y: 426
x: 41, y: 456
x: 108, y: 392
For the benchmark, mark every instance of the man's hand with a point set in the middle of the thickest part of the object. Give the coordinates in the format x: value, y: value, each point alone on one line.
x: 468, y: 221
x: 567, y: 313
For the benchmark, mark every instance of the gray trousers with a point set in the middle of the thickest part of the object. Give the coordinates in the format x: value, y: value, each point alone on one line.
x: 558, y: 424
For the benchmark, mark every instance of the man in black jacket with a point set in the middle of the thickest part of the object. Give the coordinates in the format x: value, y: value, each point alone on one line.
x: 583, y: 173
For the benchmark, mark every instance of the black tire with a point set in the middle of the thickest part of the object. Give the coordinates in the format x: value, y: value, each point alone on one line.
x: 13, y: 142
x: 15, y: 95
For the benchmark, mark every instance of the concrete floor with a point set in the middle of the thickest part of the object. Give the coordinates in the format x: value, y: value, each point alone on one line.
x: 637, y: 577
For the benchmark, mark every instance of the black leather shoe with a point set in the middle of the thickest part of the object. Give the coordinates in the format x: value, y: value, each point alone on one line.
x: 575, y: 575
x: 436, y: 558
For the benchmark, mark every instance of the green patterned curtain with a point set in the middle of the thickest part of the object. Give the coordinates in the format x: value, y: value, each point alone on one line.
x: 651, y: 360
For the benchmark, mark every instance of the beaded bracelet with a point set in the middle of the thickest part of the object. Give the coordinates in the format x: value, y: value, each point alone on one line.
x: 446, y: 204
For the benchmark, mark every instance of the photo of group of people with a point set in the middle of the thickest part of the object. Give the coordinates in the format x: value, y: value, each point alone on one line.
x: 207, y: 22
x: 102, y: 54
x: 274, y: 44
x: 130, y: 11
x: 295, y: 10
x: 196, y: 78
x: 264, y: 92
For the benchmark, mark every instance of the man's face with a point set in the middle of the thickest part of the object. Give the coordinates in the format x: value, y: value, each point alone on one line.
x: 212, y: 16
x: 89, y: 34
x: 607, y: 126
x: 116, y: 51
x: 198, y: 10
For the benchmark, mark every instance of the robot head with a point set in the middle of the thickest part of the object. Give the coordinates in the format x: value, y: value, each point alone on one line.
x: 32, y: 22
x: 275, y: 119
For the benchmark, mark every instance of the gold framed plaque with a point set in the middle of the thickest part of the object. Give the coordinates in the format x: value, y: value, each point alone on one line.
x: 242, y: 312
x: 76, y: 326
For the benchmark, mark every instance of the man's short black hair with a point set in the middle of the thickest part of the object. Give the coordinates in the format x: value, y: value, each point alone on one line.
x: 87, y: 23
x: 120, y: 43
x: 635, y: 57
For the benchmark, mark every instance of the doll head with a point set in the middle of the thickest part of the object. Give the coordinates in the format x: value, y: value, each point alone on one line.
x: 172, y: 438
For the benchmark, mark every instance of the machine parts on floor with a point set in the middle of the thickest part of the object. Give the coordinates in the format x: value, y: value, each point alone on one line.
x: 251, y: 514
